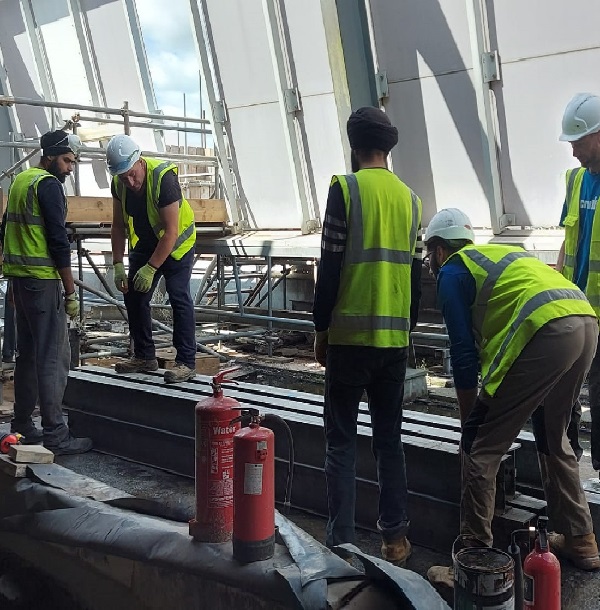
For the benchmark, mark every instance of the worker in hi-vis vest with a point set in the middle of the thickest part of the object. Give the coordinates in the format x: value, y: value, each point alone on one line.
x: 531, y: 334
x: 37, y: 261
x: 579, y: 258
x: 150, y: 213
x: 366, y: 302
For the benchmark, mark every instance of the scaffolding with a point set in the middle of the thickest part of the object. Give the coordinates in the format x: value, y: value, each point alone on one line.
x: 234, y: 297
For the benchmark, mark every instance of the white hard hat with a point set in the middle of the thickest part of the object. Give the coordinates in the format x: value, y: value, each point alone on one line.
x: 74, y: 143
x: 450, y: 223
x: 121, y: 153
x: 581, y: 117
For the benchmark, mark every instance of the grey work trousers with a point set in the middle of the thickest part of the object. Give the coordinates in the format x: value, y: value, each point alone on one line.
x: 549, y: 372
x: 42, y: 364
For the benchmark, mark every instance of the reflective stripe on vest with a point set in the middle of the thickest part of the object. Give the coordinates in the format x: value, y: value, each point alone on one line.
x: 355, y: 253
x: 572, y: 220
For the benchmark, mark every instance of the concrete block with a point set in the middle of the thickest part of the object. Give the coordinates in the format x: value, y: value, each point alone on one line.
x: 10, y: 468
x: 30, y: 454
x: 205, y: 363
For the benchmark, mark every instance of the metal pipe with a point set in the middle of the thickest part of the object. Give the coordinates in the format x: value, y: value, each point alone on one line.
x: 7, y: 172
x: 80, y: 273
x: 110, y: 352
x: 204, y: 281
x: 120, y: 337
x: 103, y: 281
x: 155, y: 323
x: 233, y: 335
x: 94, y: 152
x: 7, y: 100
x: 275, y: 284
x: 150, y: 125
x: 269, y: 300
x: 233, y: 315
x: 238, y: 285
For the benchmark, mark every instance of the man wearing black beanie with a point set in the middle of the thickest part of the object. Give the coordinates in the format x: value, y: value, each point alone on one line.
x: 37, y: 260
x: 366, y: 302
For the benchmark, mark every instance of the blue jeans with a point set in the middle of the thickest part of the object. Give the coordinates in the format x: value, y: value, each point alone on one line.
x: 380, y: 372
x: 177, y: 280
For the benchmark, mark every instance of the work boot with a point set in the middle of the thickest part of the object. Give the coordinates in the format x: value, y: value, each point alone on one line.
x: 136, y: 365
x: 441, y: 575
x: 396, y: 551
x: 581, y: 551
x: 31, y: 435
x: 71, y: 446
x: 180, y: 372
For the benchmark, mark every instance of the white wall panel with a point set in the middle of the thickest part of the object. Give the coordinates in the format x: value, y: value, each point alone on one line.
x: 262, y: 158
x: 324, y: 143
x: 250, y: 89
x: 534, y: 108
x: 21, y: 71
x: 532, y: 29
x: 65, y: 60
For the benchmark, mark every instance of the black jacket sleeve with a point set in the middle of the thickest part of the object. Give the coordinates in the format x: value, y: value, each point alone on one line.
x: 51, y: 198
x: 333, y: 244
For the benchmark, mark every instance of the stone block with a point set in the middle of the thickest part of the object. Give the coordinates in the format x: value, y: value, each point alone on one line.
x: 30, y: 454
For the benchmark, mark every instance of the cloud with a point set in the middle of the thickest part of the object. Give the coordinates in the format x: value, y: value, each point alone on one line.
x: 170, y: 47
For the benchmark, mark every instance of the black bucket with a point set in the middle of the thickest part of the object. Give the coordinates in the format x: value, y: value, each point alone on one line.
x: 483, y: 579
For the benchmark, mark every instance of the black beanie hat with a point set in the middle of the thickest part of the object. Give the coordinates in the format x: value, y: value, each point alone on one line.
x: 55, y: 143
x: 370, y: 128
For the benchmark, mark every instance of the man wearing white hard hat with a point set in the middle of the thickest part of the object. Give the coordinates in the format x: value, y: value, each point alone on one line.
x: 579, y: 259
x: 532, y: 334
x: 150, y: 212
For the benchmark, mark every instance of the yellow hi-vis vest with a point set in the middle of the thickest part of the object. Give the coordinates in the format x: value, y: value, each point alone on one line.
x: 571, y: 222
x: 516, y: 294
x: 155, y: 170
x: 373, y: 303
x: 26, y: 252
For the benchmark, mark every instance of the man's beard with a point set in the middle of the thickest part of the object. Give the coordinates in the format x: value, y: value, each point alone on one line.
x: 53, y: 169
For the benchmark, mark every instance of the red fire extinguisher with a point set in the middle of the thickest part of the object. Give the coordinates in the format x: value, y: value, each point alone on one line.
x: 7, y: 440
x: 254, y: 491
x: 541, y: 574
x: 215, y: 427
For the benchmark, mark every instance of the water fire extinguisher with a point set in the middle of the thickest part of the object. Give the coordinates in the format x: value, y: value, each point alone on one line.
x: 7, y: 440
x: 254, y: 491
x: 541, y: 574
x: 217, y: 420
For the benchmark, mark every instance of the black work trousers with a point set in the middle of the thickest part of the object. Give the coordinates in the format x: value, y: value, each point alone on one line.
x: 42, y: 364
x: 380, y: 372
x: 177, y: 279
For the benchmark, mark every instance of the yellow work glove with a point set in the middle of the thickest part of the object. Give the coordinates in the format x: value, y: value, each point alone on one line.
x: 321, y: 342
x: 120, y: 277
x: 72, y: 305
x: 142, y: 281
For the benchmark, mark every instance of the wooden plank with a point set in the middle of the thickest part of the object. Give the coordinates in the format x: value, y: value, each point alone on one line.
x: 99, y: 210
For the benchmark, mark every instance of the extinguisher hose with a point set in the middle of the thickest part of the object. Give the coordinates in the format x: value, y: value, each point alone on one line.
x: 515, y: 552
x: 290, y: 472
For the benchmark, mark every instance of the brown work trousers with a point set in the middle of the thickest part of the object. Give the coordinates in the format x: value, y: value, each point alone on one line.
x: 549, y: 372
